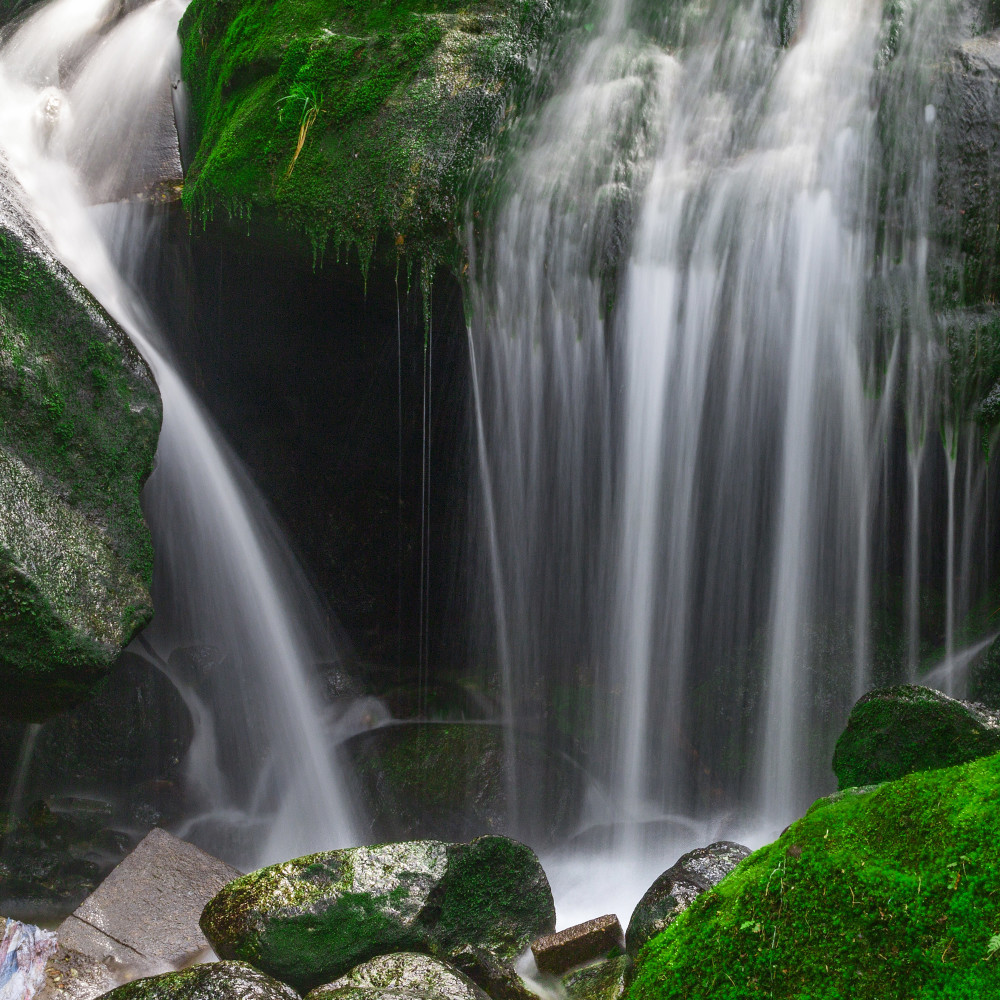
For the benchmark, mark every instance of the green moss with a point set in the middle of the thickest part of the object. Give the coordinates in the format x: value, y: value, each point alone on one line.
x: 79, y: 420
x: 351, y: 121
x: 894, y: 731
x: 893, y: 895
x: 311, y: 920
x: 495, y: 892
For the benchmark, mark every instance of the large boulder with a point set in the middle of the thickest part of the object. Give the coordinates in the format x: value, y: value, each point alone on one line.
x: 452, y: 781
x: 311, y: 920
x: 79, y: 420
x: 677, y: 888
x: 892, y: 893
x: 346, y: 122
x: 407, y: 975
x: 214, y: 981
x: 897, y: 730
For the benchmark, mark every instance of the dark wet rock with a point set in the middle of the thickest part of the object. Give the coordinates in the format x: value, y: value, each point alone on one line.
x: 603, y: 981
x: 144, y: 915
x: 451, y: 781
x: 897, y: 730
x: 984, y: 678
x: 408, y: 974
x: 674, y: 891
x: 576, y: 945
x: 79, y: 421
x: 310, y: 920
x: 214, y: 981
x: 495, y: 976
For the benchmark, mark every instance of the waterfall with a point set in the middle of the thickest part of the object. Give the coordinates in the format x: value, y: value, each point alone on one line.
x: 84, y: 100
x: 688, y: 405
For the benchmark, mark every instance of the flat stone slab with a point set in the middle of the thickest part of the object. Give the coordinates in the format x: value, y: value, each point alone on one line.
x: 144, y: 916
x: 556, y: 953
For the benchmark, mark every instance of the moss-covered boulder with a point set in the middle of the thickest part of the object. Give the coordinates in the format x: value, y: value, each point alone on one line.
x: 214, y: 981
x: 311, y: 920
x: 347, y: 121
x: 408, y: 975
x: 452, y: 781
x: 79, y: 420
x: 674, y: 891
x: 886, y: 895
x: 897, y: 730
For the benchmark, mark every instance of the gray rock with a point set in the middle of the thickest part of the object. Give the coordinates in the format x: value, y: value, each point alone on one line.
x: 408, y: 974
x: 674, y: 891
x: 603, y: 981
x: 576, y: 945
x: 24, y: 951
x: 79, y: 421
x: 493, y: 975
x: 144, y: 915
x: 214, y: 981
x: 310, y: 920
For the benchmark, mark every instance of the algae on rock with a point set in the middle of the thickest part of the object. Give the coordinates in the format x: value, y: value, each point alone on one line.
x: 79, y: 420
x: 349, y: 121
x: 311, y: 920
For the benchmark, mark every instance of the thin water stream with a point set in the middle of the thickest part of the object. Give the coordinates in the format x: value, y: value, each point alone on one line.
x: 84, y: 97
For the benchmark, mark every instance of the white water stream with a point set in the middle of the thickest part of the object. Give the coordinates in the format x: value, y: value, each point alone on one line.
x: 84, y: 99
x: 683, y: 485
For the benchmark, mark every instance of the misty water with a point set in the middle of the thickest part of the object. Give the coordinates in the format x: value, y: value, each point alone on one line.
x: 710, y: 427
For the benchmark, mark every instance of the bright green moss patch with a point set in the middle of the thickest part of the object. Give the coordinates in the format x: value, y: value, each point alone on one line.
x: 351, y: 121
x: 79, y: 420
x: 889, y: 895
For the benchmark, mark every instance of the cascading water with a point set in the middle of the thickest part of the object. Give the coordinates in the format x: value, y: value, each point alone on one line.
x: 683, y: 480
x: 84, y: 95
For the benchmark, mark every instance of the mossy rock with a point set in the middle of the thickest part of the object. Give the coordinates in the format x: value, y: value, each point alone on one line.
x: 310, y: 920
x: 79, y: 421
x: 408, y: 975
x: 897, y: 730
x: 213, y: 981
x: 603, y: 980
x: 345, y: 121
x: 890, y: 895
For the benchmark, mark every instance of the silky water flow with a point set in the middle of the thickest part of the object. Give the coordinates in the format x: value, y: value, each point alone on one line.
x: 682, y: 426
x: 85, y: 98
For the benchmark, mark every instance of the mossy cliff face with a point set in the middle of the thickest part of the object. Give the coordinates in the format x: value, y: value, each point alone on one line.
x: 310, y: 920
x: 79, y: 419
x: 350, y: 121
x: 891, y: 894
